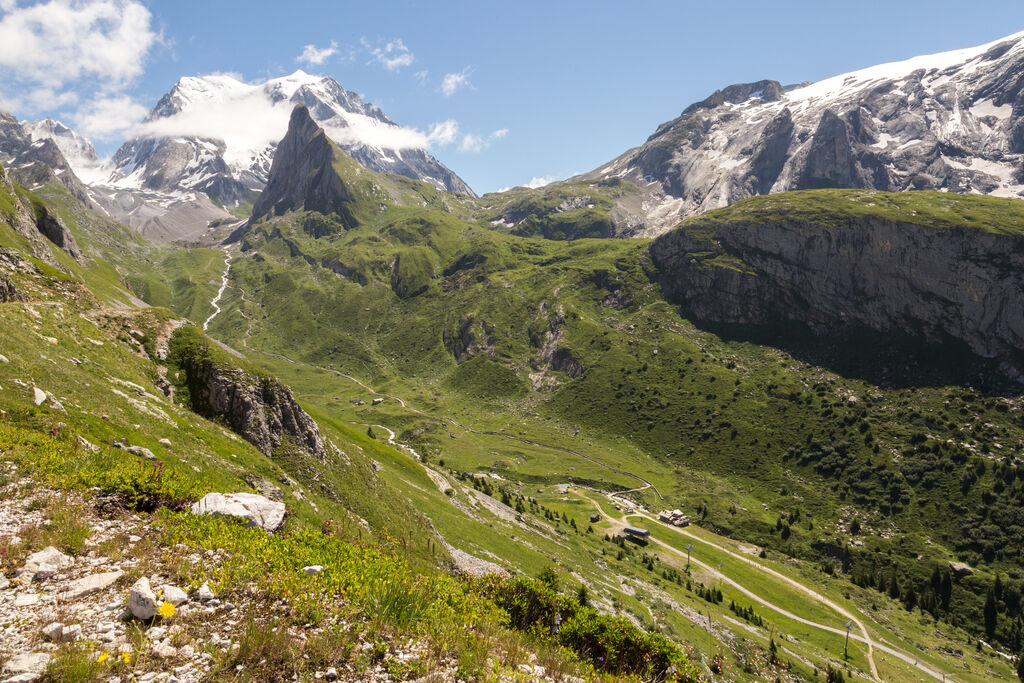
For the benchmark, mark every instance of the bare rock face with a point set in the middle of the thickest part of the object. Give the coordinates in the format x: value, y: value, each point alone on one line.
x: 952, y: 122
x: 7, y: 291
x: 302, y: 175
x: 937, y: 284
x: 259, y: 408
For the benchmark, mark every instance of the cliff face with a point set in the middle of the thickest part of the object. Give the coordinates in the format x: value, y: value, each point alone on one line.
x: 258, y: 408
x: 938, y: 284
x: 303, y: 175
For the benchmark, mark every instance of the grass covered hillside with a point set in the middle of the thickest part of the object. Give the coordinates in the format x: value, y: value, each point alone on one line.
x: 573, y: 346
x: 101, y: 456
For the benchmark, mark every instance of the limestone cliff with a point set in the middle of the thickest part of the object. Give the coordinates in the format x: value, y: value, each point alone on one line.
x: 833, y: 272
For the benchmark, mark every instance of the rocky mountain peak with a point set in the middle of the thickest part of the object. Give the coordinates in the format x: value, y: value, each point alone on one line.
x: 951, y: 122
x: 302, y: 175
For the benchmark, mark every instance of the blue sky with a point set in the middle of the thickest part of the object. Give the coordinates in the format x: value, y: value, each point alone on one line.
x: 574, y: 84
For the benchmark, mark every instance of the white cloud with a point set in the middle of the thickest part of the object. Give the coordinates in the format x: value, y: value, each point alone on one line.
x: 476, y: 143
x: 75, y: 54
x: 266, y: 123
x: 392, y: 56
x: 313, y: 55
x: 540, y: 181
x: 421, y: 76
x: 472, y: 143
x: 108, y: 118
x: 61, y: 41
x: 456, y: 81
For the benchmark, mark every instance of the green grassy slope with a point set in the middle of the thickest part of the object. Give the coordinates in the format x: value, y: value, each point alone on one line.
x: 573, y: 344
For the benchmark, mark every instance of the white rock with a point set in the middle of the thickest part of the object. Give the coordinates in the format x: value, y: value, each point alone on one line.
x: 4, y: 582
x: 331, y: 674
x: 88, y: 585
x: 164, y: 442
x: 44, y: 564
x: 26, y: 600
x: 258, y: 510
x: 34, y: 663
x: 53, y: 631
x: 39, y: 396
x: 188, y: 652
x: 163, y: 650
x: 174, y: 595
x: 3, y: 359
x: 141, y: 600
x: 156, y: 633
x: 205, y: 594
x: 313, y: 570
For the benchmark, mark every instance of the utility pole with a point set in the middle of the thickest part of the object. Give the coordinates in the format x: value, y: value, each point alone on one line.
x: 846, y: 646
x: 689, y: 547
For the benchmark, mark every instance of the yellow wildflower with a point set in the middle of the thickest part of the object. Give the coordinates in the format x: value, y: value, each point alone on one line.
x: 103, y: 657
x: 126, y: 657
x: 166, y: 610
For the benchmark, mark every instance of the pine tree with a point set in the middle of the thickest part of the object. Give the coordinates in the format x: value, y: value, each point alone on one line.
x: 991, y: 614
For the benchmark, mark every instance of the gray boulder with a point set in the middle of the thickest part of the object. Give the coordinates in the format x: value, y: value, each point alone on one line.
x: 257, y: 510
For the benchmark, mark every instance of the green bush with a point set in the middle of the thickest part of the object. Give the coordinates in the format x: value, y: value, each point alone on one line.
x: 611, y: 644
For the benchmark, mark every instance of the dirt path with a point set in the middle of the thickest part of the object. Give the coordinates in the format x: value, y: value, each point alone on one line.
x: 863, y: 636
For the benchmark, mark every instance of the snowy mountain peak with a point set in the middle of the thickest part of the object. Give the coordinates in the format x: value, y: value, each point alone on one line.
x: 952, y: 121
x: 193, y: 140
x: 77, y: 149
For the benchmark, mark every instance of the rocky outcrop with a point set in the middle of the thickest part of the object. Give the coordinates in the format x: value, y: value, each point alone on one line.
x: 303, y: 175
x: 8, y: 292
x: 937, y: 284
x: 257, y: 407
x: 36, y: 162
x: 34, y: 221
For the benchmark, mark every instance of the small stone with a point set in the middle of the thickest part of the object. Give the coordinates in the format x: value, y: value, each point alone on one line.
x: 71, y: 633
x: 188, y: 652
x: 163, y: 650
x: 331, y: 674
x: 313, y: 570
x: 53, y: 631
x: 204, y: 593
x: 38, y: 396
x: 141, y: 600
x: 4, y: 582
x: 175, y: 595
x: 156, y: 633
x: 3, y: 359
x: 165, y: 442
x: 141, y: 452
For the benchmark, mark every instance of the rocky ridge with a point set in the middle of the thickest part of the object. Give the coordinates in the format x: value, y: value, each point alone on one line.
x: 952, y: 122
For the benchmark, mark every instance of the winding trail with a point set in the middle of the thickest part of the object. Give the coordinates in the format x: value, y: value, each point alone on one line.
x: 220, y: 292
x: 863, y: 636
